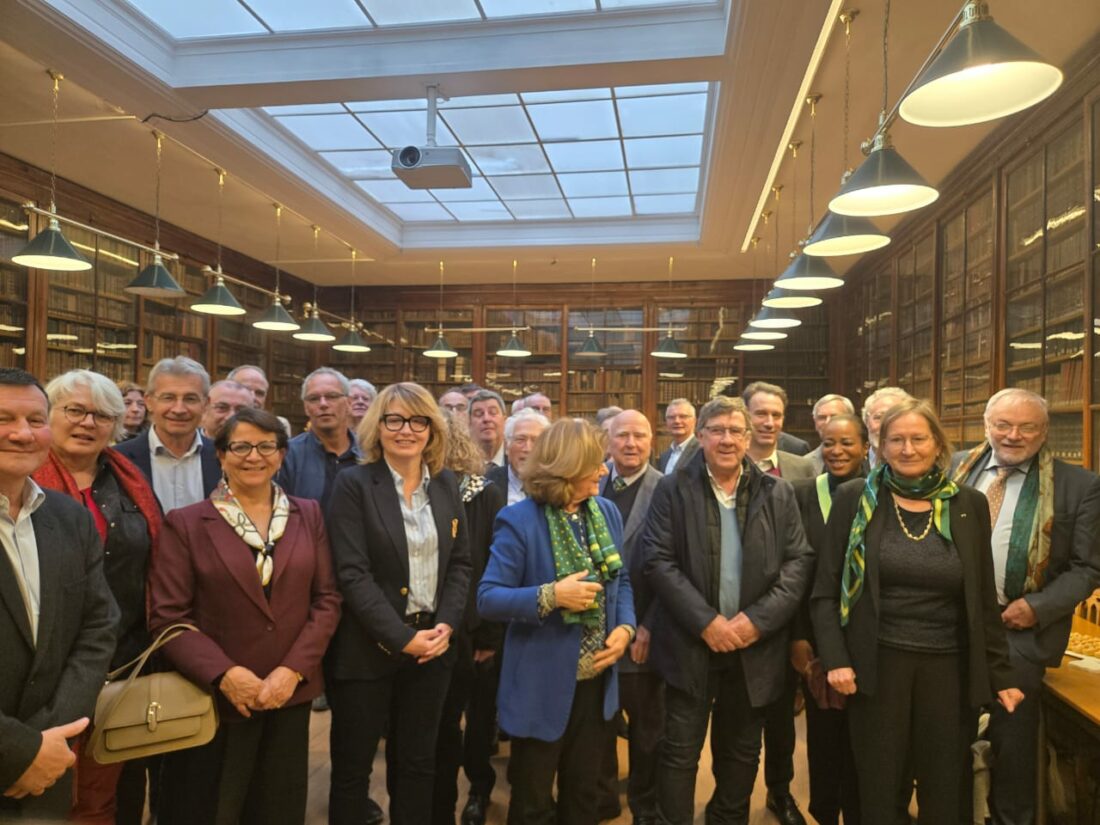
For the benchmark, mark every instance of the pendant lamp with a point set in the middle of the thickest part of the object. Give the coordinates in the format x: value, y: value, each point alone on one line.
x: 590, y: 348
x: 772, y: 318
x: 747, y: 345
x: 440, y: 348
x: 844, y: 235
x: 514, y: 348
x: 808, y: 274
x: 884, y: 184
x: 314, y: 329
x: 668, y: 348
x: 780, y: 298
x: 352, y: 341
x: 763, y: 334
x: 218, y: 300
x: 155, y: 281
x: 276, y: 319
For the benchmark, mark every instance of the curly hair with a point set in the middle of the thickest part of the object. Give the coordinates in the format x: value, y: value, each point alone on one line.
x: 464, y: 456
x: 568, y: 451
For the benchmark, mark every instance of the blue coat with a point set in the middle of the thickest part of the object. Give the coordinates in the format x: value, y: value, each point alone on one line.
x: 539, y: 667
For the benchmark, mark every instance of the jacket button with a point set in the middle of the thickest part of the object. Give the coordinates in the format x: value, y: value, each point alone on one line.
x: 404, y: 591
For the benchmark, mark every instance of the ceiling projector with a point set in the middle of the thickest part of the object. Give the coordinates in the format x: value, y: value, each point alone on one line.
x: 431, y: 167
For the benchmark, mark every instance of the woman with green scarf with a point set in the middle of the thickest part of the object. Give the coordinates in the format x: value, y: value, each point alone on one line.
x: 905, y: 613
x: 555, y: 575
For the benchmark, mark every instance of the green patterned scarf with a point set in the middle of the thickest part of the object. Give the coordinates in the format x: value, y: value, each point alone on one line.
x: 1029, y: 541
x: 934, y: 486
x: 601, y: 557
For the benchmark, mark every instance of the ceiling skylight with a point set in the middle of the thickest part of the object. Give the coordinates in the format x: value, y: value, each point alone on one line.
x: 558, y: 155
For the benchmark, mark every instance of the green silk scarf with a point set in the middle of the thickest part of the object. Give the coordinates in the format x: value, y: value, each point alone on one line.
x: 601, y: 558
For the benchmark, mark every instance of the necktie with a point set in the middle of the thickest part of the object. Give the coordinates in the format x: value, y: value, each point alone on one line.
x: 996, y: 493
x: 618, y: 484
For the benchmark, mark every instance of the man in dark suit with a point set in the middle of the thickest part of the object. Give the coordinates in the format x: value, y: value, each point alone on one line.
x: 1046, y: 554
x: 180, y: 464
x: 630, y: 483
x: 57, y: 620
x: 793, y: 444
x: 680, y: 423
x: 520, y: 433
x: 728, y: 562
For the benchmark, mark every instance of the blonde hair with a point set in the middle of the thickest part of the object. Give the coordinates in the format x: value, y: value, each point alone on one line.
x: 925, y: 410
x: 463, y: 456
x: 569, y: 450
x: 418, y: 401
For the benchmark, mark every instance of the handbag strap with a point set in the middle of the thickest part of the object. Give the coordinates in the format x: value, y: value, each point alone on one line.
x: 140, y: 660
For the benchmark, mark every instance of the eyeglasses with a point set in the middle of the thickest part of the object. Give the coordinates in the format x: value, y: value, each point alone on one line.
x: 395, y: 423
x: 243, y: 449
x: 76, y: 414
x: 221, y: 407
x: 718, y: 432
x: 170, y: 399
x: 455, y: 408
x: 1004, y: 428
x: 330, y: 397
x: 917, y: 441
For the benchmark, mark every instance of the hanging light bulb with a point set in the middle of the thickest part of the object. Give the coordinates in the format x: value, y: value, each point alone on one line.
x: 514, y: 348
x: 981, y: 74
x: 277, y: 319
x: 49, y: 249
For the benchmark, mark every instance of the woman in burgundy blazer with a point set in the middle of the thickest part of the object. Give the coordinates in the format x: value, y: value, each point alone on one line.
x: 249, y: 567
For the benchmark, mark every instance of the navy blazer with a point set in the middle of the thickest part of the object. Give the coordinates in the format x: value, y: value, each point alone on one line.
x: 137, y: 450
x: 539, y: 665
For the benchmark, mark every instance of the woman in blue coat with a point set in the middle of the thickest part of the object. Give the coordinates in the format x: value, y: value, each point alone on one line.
x: 556, y: 576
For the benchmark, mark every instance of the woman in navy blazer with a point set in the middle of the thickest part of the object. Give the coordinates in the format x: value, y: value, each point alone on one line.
x: 555, y: 576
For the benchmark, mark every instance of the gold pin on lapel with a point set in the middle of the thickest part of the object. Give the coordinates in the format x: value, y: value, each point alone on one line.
x: 454, y: 528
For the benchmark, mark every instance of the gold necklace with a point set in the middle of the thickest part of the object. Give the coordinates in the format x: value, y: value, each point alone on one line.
x: 904, y: 529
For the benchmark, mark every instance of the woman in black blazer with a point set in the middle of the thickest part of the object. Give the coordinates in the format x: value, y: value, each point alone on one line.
x: 907, y: 624
x: 833, y: 786
x: 398, y: 533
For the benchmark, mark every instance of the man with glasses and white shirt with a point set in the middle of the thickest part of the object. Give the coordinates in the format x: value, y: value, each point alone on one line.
x: 680, y: 423
x: 180, y: 464
x: 1045, y: 517
x: 521, y: 431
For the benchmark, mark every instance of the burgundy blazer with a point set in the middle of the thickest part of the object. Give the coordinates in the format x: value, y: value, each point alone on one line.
x: 203, y: 573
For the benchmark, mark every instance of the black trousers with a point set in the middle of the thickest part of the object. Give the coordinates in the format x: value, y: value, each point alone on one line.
x: 834, y: 787
x: 405, y: 706
x: 1014, y: 738
x: 254, y: 772
x: 734, y: 743
x: 574, y: 759
x: 779, y: 738
x: 473, y: 693
x: 917, y: 725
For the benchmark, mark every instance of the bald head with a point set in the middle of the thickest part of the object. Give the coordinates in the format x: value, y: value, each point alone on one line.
x: 631, y: 442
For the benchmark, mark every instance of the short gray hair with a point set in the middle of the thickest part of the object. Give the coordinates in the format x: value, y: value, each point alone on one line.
x: 604, y: 413
x: 723, y: 405
x: 231, y: 384
x: 523, y: 415
x: 1020, y: 395
x: 680, y: 402
x: 233, y: 373
x: 878, y: 395
x: 105, y: 393
x: 849, y: 407
x: 364, y: 385
x: 488, y: 395
x: 181, y: 367
x: 345, y: 385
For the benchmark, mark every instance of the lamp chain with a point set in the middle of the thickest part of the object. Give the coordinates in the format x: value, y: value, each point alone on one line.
x: 847, y: 93
x: 221, y: 199
x: 885, y: 61
x: 794, y: 194
x: 515, y: 307
x: 441, y: 297
x: 353, y: 320
x: 53, y: 141
x: 156, y: 200
x: 278, y: 244
x: 813, y: 155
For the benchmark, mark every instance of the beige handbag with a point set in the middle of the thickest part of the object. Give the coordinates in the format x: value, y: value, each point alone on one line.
x: 147, y: 715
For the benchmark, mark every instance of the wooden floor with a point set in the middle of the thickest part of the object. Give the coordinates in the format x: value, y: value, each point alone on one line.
x: 317, y: 810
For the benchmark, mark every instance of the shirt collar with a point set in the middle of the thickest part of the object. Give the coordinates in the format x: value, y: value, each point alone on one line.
x: 33, y: 498
x: 156, y: 446
x: 1023, y: 466
x: 773, y: 459
x: 399, y: 480
x: 679, y: 448
x: 724, y: 498
x: 353, y: 444
x: 628, y: 479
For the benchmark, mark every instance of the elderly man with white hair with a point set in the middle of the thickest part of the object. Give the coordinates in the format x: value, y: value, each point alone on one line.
x: 520, y: 433
x: 874, y: 408
x: 1045, y: 517
x: 824, y: 409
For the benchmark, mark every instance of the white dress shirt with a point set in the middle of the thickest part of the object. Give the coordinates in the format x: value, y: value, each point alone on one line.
x: 176, y: 481
x: 422, y: 540
x: 1002, y: 530
x: 515, y: 487
x: 677, y: 450
x: 19, y: 543
x: 769, y: 463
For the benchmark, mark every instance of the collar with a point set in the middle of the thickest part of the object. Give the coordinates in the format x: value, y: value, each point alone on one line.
x: 498, y: 458
x: 1022, y: 467
x: 33, y: 498
x: 156, y: 446
x: 399, y: 480
x: 724, y: 498
x: 773, y: 458
x: 628, y: 479
x: 679, y: 448
x: 353, y: 448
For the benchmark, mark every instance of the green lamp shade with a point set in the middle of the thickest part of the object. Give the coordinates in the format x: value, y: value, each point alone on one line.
x: 844, y: 235
x: 276, y: 319
x: 808, y: 274
x: 351, y: 342
x: 772, y: 318
x: 590, y: 348
x: 514, y: 348
x: 668, y: 348
x: 50, y: 250
x: 218, y: 300
x: 440, y: 349
x: 884, y: 184
x: 780, y: 298
x: 314, y: 330
x: 983, y: 73
x: 155, y: 281
x: 746, y: 345
x: 763, y: 334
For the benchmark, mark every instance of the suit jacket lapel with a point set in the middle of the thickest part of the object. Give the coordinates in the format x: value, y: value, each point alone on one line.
x: 236, y: 556
x: 286, y: 546
x: 389, y: 511
x: 693, y: 492
x: 872, y: 539
x: 12, y: 597
x: 51, y: 547
x: 641, y: 504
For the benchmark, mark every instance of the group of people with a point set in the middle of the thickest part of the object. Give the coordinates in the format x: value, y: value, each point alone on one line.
x: 438, y: 571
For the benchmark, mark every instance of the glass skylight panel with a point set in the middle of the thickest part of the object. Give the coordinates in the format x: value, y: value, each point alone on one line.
x: 664, y: 181
x: 566, y: 95
x: 600, y: 207
x: 405, y: 12
x: 526, y: 187
x: 397, y: 129
x: 539, y: 209
x: 527, y: 8
x: 282, y: 16
x: 592, y: 184
x: 306, y: 109
x: 623, y: 4
x: 321, y: 132
x: 480, y: 191
x: 372, y: 163
x: 584, y: 120
x: 685, y: 150
x: 393, y: 191
x: 665, y: 115
x: 472, y: 101
x: 499, y: 124
x: 509, y: 160
x: 420, y: 211
x: 200, y: 18
x: 664, y: 89
x: 480, y: 211
x: 585, y: 156
x: 664, y: 204
x: 387, y: 105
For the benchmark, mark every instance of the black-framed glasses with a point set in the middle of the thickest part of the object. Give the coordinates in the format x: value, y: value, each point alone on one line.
x: 76, y: 414
x: 242, y: 449
x: 395, y: 423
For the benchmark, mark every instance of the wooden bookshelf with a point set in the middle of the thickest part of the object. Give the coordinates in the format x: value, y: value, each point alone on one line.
x: 13, y: 288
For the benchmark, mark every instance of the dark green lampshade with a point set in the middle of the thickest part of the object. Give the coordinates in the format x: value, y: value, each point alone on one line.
x: 753, y: 334
x: 50, y: 250
x: 780, y: 298
x: 276, y: 319
x: 314, y: 330
x: 747, y: 345
x: 884, y: 184
x: 351, y: 342
x: 218, y: 300
x: 440, y: 349
x: 590, y: 348
x: 514, y: 348
x: 844, y: 235
x: 155, y: 281
x: 772, y: 318
x: 808, y: 274
x: 668, y: 348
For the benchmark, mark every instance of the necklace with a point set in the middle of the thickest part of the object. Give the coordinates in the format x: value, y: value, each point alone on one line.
x: 904, y: 529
